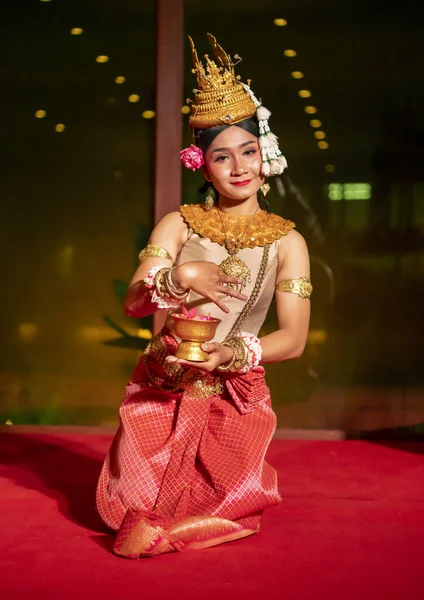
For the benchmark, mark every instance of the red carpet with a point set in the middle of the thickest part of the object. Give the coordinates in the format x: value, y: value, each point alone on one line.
x: 351, y: 528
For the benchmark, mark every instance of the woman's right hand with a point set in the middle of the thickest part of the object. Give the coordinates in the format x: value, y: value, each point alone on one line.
x: 205, y: 279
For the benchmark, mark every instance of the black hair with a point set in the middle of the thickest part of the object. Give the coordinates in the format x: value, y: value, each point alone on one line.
x: 205, y: 137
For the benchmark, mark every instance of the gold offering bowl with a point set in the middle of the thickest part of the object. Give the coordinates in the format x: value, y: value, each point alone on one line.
x: 194, y: 332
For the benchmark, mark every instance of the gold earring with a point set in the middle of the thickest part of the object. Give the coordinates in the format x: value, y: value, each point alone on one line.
x: 210, y: 198
x: 265, y: 188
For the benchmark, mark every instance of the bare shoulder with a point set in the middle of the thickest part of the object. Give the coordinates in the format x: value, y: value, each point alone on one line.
x: 171, y: 220
x: 293, y: 242
x: 170, y: 233
x: 292, y: 249
x: 170, y: 227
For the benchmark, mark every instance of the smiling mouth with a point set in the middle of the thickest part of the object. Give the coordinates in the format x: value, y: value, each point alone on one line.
x: 245, y: 182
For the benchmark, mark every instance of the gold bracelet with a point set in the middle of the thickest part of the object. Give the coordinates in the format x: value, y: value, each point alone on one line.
x: 161, y: 289
x: 152, y: 251
x: 302, y: 287
x: 240, y: 357
x: 227, y: 366
x: 242, y: 354
x: 172, y: 289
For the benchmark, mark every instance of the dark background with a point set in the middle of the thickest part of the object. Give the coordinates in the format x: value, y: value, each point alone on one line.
x: 72, y: 201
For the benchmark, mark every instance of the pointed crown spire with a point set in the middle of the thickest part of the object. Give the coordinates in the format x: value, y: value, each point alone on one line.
x: 220, y: 97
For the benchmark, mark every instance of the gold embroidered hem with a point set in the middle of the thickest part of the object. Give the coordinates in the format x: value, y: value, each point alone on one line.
x: 174, y: 377
x: 204, y: 386
x: 140, y: 535
x: 263, y: 229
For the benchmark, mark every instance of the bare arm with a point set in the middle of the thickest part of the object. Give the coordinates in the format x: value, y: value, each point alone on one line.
x: 293, y: 312
x: 169, y: 234
x: 202, y: 277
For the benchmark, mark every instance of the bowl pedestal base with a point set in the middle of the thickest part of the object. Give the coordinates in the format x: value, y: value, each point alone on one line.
x: 191, y: 351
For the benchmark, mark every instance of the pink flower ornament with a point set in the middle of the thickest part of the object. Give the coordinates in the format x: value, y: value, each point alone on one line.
x: 192, y: 157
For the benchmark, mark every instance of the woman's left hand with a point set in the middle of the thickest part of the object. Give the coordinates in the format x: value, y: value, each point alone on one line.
x: 218, y: 355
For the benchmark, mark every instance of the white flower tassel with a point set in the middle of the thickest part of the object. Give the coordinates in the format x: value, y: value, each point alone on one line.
x: 262, y: 113
x: 273, y: 162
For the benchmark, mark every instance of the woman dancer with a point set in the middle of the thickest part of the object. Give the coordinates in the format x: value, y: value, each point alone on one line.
x: 186, y: 469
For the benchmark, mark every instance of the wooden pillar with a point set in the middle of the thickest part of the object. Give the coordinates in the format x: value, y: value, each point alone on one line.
x: 169, y: 96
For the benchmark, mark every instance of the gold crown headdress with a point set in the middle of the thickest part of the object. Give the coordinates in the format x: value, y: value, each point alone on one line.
x: 222, y: 99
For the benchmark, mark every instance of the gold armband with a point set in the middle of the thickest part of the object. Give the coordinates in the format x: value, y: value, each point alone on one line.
x: 151, y: 251
x: 302, y: 287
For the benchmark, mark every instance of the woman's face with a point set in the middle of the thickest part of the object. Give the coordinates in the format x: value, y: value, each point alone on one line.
x: 233, y: 164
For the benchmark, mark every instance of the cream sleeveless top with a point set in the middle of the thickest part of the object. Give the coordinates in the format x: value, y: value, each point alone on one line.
x: 202, y: 248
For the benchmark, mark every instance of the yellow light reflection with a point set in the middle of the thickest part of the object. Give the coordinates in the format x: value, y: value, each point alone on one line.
x: 280, y: 22
x: 120, y: 79
x: 9, y: 422
x: 134, y: 98
x: 317, y: 336
x: 304, y: 93
x: 77, y: 30
x: 60, y: 127
x: 101, y: 333
x: 322, y: 145
x: 102, y: 58
x: 185, y: 109
x: 320, y: 135
x: 93, y: 334
x: 27, y: 331
x: 290, y: 53
x: 330, y: 168
x: 40, y: 114
x: 311, y: 110
x: 297, y: 75
x: 144, y: 334
x: 148, y: 114
x: 315, y: 123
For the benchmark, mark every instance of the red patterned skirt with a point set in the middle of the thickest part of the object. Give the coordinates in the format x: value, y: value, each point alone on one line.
x: 187, y: 466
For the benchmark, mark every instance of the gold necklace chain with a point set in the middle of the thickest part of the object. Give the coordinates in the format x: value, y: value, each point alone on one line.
x: 247, y: 309
x: 233, y: 248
